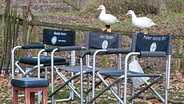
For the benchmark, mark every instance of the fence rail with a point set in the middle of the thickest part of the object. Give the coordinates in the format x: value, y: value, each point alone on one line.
x: 85, y: 28
x: 177, y: 55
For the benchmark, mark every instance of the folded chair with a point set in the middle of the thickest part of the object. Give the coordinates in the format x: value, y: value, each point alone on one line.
x: 94, y: 41
x: 142, y: 46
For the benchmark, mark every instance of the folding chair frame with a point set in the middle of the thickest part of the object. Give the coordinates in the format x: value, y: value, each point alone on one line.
x: 30, y: 46
x: 96, y: 71
x: 168, y: 60
x: 67, y: 82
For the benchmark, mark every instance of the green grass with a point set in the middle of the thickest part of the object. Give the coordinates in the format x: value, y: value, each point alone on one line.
x: 167, y: 21
x: 5, y: 95
x: 106, y: 98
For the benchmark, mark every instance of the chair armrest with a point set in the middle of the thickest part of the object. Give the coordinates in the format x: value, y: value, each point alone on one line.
x: 108, y: 51
x: 87, y: 52
x: 118, y: 50
x: 152, y: 54
x: 50, y: 49
x: 67, y: 48
x: 70, y: 48
x: 33, y: 46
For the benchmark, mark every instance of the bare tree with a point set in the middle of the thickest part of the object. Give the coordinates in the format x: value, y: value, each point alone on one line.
x: 6, y: 36
x: 75, y: 4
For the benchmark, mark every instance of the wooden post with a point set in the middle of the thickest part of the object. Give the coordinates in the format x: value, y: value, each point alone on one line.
x: 34, y: 34
x: 104, y: 61
x: 2, y: 42
x: 179, y: 51
x: 24, y: 25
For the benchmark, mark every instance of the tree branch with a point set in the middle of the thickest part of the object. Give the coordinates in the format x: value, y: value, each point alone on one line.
x: 72, y: 5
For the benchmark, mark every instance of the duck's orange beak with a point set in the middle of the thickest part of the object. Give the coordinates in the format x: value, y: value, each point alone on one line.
x: 98, y: 8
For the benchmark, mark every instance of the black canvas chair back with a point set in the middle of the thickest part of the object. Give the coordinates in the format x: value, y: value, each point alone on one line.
x: 59, y: 37
x: 151, y: 43
x: 102, y: 40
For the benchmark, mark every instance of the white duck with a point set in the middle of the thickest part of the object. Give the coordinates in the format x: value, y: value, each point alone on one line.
x: 141, y: 22
x: 107, y: 19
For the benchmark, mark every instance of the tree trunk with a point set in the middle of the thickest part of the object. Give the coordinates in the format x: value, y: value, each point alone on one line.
x: 7, y: 9
x: 5, y: 35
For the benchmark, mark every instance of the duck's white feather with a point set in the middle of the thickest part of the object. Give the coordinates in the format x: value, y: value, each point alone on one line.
x: 141, y: 22
x: 107, y: 19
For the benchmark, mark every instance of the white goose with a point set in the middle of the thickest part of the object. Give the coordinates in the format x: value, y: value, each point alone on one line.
x: 107, y: 19
x: 141, y: 22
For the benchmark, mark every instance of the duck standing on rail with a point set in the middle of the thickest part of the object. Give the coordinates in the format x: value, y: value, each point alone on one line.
x: 107, y: 19
x: 141, y: 22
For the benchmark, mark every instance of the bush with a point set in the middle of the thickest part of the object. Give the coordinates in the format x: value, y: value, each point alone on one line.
x: 90, y: 8
x: 175, y: 5
x: 120, y: 7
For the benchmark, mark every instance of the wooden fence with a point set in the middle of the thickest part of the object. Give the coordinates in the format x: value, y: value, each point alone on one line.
x: 177, y: 55
x: 14, y: 23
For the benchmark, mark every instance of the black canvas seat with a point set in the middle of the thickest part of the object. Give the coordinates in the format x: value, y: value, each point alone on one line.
x: 29, y: 82
x: 75, y: 69
x: 117, y: 73
x: 45, y: 60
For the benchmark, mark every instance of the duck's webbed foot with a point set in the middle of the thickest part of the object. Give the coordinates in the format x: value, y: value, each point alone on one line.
x: 109, y: 30
x: 146, y: 32
x: 138, y: 30
x: 104, y: 29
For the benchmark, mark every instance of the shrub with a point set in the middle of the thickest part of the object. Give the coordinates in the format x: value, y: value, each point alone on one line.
x: 175, y: 5
x: 120, y: 7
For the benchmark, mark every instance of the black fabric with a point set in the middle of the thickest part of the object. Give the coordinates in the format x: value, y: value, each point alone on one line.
x: 118, y: 73
x: 76, y: 69
x: 59, y: 37
x: 151, y: 43
x: 96, y: 40
x: 33, y: 46
x: 29, y: 82
x: 69, y: 48
x: 43, y: 60
x: 153, y: 54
